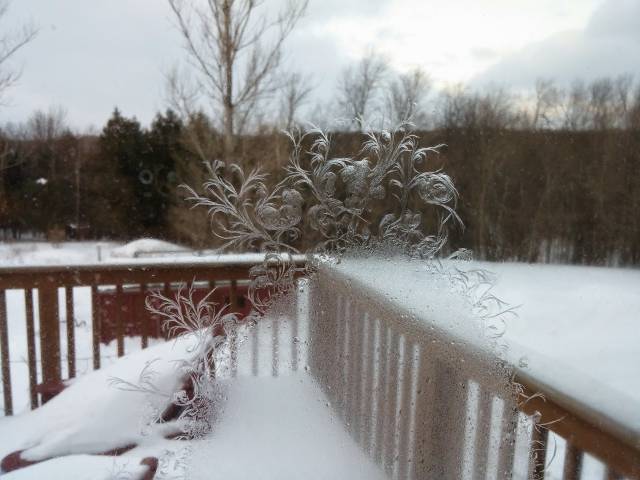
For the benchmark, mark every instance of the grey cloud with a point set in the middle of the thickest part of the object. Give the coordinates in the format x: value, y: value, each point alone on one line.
x: 608, y: 46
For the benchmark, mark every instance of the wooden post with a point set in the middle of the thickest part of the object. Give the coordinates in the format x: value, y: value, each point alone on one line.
x: 95, y: 322
x: 119, y: 300
x: 31, y: 347
x: 406, y: 408
x: 49, y: 337
x: 506, y: 454
x: 4, y: 346
x: 483, y: 427
x: 143, y: 318
x: 538, y: 455
x: 233, y: 295
x: 572, y: 463
x: 382, y: 386
x: 71, y: 336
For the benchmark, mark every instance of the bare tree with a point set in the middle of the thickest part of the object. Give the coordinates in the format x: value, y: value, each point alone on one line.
x: 10, y: 43
x: 46, y: 126
x: 236, y: 48
x: 576, y: 109
x: 623, y: 85
x: 406, y: 96
x: 359, y: 86
x: 295, y: 93
x: 601, y: 95
x: 546, y: 103
x: 633, y: 114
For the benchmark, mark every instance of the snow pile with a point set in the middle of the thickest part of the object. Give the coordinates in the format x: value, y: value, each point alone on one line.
x: 93, y: 416
x: 279, y: 428
x: 44, y: 253
x: 147, y: 247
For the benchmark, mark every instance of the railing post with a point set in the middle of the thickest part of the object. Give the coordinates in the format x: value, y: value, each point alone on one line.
x: 95, y: 327
x: 71, y: 336
x: 119, y: 301
x: 143, y: 317
x: 49, y: 337
x: 538, y: 452
x: 31, y: 347
x: 4, y: 347
x: 572, y: 463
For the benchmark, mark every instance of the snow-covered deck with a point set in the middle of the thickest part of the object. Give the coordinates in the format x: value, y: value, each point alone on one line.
x: 367, y: 337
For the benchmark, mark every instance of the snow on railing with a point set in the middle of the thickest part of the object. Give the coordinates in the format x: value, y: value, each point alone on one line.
x: 419, y: 399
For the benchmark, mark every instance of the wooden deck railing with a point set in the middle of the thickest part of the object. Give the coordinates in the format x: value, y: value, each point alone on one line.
x: 111, y: 280
x: 421, y: 406
x: 584, y: 431
x: 408, y: 392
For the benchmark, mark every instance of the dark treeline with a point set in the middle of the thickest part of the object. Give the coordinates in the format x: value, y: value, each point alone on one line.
x: 555, y: 182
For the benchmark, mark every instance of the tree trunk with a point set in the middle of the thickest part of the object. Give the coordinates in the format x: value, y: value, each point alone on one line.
x: 228, y: 85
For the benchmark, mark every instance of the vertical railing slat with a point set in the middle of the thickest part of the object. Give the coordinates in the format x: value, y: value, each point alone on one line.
x: 483, y: 427
x: 355, y: 382
x: 95, y: 327
x: 447, y: 433
x: 572, y: 463
x: 423, y: 454
x: 382, y: 392
x: 4, y: 347
x: 143, y: 318
x: 391, y: 394
x: 71, y: 334
x: 166, y: 291
x: 233, y: 295
x: 368, y: 385
x: 119, y: 305
x: 406, y: 408
x: 31, y: 347
x: 49, y: 337
x: 506, y: 453
x: 538, y: 452
x: 295, y: 341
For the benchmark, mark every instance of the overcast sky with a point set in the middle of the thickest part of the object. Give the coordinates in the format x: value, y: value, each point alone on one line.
x: 92, y: 55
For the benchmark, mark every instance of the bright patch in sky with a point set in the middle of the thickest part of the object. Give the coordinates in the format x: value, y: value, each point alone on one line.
x: 456, y: 40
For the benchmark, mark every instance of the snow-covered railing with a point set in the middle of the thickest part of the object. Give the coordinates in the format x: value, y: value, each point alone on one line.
x: 429, y: 401
x: 55, y: 289
x: 423, y: 399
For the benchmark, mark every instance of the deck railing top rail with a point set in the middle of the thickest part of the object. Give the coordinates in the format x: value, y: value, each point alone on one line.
x: 584, y: 426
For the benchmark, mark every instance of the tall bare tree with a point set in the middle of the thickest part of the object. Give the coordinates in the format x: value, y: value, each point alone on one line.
x: 359, y: 86
x: 236, y: 48
x: 546, y: 103
x: 406, y: 96
x: 295, y: 93
x: 576, y: 109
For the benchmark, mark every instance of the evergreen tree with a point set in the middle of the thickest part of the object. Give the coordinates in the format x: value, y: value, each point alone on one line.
x: 122, y: 144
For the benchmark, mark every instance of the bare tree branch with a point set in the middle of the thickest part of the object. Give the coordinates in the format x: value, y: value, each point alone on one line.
x: 10, y: 44
x: 360, y: 85
x: 237, y: 49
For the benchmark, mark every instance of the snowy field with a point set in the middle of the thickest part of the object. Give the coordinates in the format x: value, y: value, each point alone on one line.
x: 577, y: 327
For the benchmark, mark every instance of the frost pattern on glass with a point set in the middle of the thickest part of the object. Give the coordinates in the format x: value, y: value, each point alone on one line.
x: 337, y: 198
x: 385, y: 197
